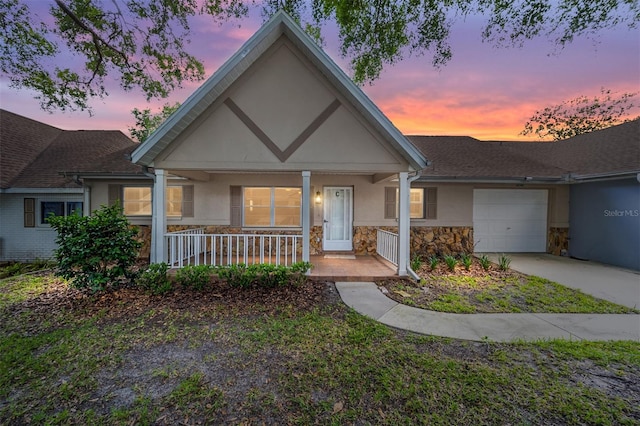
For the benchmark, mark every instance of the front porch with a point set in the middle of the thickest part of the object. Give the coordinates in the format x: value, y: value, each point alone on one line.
x: 350, y: 268
x: 195, y: 247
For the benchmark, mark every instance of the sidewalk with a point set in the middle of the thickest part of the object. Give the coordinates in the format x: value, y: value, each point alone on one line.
x: 365, y: 298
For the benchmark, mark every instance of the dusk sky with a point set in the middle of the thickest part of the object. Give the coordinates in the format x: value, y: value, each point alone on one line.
x: 484, y: 91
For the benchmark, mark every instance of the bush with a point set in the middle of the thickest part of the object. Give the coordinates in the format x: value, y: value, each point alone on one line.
x: 96, y: 250
x: 194, y: 276
x: 154, y: 279
x: 264, y: 275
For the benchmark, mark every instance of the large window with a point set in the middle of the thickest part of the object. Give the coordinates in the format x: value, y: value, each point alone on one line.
x: 272, y: 207
x: 59, y: 208
x: 136, y: 200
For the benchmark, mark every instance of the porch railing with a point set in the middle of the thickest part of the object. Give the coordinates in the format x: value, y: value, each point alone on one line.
x: 194, y: 247
x: 387, y: 246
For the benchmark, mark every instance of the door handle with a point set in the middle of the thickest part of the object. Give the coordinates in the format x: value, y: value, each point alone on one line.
x: 325, y: 221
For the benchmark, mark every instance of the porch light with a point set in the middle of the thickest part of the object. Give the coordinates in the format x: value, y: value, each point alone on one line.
x: 318, y: 197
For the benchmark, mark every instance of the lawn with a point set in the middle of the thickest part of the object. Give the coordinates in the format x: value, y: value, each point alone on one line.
x: 281, y: 356
x: 477, y: 290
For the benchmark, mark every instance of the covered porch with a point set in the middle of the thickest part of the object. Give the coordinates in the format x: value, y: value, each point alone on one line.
x: 196, y: 247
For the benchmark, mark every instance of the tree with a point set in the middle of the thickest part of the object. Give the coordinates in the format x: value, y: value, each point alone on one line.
x: 143, y: 43
x: 581, y: 115
x: 147, y: 123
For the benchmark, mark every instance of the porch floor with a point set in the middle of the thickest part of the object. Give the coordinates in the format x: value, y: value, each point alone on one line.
x: 350, y: 268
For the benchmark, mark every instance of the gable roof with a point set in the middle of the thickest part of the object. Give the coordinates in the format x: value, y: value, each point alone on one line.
x: 279, y: 25
x: 36, y: 155
x: 610, y: 152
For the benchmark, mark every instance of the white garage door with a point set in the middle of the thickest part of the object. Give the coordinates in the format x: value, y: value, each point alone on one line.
x: 510, y: 220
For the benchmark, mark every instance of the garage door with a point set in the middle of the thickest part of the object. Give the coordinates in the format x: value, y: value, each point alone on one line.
x: 510, y: 220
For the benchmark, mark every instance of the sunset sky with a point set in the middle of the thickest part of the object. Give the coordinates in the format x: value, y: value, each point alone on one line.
x: 484, y: 91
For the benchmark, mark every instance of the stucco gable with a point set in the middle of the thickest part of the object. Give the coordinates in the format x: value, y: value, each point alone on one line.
x: 278, y: 123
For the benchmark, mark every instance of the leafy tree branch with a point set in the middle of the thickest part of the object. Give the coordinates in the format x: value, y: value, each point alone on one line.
x: 143, y: 44
x: 581, y: 115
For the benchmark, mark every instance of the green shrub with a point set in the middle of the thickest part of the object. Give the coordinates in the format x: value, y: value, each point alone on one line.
x: 433, y: 262
x: 96, y: 250
x: 466, y: 260
x: 154, y: 279
x: 503, y: 262
x: 451, y: 262
x: 485, y: 262
x: 264, y: 275
x: 416, y: 263
x: 194, y: 276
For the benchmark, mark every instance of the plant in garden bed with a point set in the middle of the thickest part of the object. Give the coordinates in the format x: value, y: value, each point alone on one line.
x: 416, y: 263
x: 264, y: 275
x: 195, y: 276
x: 94, y: 251
x: 433, y: 262
x: 466, y: 260
x: 503, y: 262
x: 484, y: 262
x: 451, y: 262
x: 154, y: 279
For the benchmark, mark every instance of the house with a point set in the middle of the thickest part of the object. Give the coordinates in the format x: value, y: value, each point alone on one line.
x: 279, y: 156
x: 39, y: 169
x: 579, y: 197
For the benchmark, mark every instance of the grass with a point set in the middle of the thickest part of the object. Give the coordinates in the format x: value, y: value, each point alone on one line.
x: 484, y: 292
x: 327, y: 365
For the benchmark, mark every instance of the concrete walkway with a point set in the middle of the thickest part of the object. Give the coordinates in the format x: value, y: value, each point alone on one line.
x: 618, y: 285
x: 367, y: 299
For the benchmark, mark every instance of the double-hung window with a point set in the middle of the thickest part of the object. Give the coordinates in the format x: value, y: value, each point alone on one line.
x: 272, y: 207
x: 59, y: 208
x: 137, y: 200
x: 422, y: 203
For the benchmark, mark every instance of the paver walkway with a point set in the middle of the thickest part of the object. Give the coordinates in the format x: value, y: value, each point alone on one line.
x: 367, y: 299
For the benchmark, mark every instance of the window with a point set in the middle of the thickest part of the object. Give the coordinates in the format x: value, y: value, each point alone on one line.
x: 174, y: 201
x: 59, y: 208
x: 136, y: 200
x: 272, y: 207
x: 422, y: 203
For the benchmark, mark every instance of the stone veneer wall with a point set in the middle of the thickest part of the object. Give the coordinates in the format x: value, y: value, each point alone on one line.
x: 558, y: 241
x: 425, y: 241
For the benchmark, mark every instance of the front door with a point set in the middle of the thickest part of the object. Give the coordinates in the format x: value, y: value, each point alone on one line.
x: 338, y: 219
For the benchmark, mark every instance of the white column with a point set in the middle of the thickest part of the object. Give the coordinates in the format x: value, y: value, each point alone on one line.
x: 159, y: 218
x: 86, y: 200
x: 403, y: 224
x: 306, y: 217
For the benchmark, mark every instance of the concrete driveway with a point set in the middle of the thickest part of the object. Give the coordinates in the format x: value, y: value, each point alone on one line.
x: 617, y: 285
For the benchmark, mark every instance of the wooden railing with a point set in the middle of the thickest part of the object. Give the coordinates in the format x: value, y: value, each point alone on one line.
x: 387, y: 246
x: 194, y: 247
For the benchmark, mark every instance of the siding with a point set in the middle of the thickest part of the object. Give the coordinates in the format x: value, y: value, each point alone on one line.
x: 26, y: 244
x: 605, y: 222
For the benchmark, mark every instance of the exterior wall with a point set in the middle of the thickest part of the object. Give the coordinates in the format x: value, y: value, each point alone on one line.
x: 451, y: 232
x: 18, y: 243
x: 282, y: 94
x: 605, y: 222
